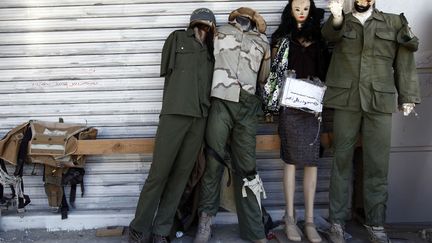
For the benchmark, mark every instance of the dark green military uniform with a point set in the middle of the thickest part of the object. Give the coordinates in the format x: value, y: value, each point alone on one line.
x: 372, y: 66
x: 236, y: 122
x: 188, y: 68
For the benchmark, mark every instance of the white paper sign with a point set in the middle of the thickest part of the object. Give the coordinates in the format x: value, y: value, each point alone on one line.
x: 300, y: 94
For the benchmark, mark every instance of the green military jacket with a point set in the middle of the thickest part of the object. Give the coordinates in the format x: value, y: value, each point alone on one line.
x: 373, y: 65
x: 188, y: 69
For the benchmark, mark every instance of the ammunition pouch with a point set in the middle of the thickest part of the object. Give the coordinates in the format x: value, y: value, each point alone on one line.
x: 53, y: 185
x: 49, y: 143
x: 54, y: 143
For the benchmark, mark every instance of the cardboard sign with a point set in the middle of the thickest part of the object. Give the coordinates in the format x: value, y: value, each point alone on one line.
x: 303, y: 95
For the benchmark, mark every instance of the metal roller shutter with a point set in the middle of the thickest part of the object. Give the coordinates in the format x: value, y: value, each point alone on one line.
x: 97, y: 62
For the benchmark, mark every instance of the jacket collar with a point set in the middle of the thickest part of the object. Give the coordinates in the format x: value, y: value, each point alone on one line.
x: 236, y: 25
x: 190, y: 32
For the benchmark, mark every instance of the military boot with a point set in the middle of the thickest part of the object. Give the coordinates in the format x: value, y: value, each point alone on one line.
x: 137, y: 237
x: 377, y: 234
x: 204, y: 228
x: 336, y: 233
x: 160, y: 239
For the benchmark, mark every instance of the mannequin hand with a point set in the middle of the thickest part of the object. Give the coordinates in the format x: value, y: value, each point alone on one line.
x: 407, y: 108
x: 336, y: 7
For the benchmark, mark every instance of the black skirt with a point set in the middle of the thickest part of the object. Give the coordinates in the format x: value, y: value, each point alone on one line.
x: 299, y: 135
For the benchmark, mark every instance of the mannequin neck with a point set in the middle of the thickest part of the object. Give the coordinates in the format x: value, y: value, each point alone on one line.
x: 245, y: 23
x: 363, y: 16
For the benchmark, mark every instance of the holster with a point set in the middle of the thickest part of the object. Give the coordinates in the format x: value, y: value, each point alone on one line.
x: 53, y: 185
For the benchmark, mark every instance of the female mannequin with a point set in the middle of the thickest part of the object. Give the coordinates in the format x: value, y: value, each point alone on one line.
x: 297, y: 45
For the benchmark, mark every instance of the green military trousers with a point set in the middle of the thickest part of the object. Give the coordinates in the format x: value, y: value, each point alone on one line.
x: 376, y: 132
x: 236, y: 122
x: 178, y: 141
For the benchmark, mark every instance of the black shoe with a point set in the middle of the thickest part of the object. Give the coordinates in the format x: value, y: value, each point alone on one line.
x: 137, y: 237
x: 160, y: 239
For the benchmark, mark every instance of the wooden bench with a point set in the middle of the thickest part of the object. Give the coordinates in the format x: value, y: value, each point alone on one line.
x: 264, y: 143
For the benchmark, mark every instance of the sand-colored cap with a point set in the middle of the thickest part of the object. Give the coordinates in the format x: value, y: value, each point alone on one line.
x: 253, y: 15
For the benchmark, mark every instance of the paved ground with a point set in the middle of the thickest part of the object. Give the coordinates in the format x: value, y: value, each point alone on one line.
x: 222, y: 234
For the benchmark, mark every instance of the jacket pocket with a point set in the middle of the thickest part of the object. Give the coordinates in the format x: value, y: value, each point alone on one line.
x: 349, y: 43
x: 337, y: 93
x: 383, y: 98
x: 184, y: 57
x: 385, y: 43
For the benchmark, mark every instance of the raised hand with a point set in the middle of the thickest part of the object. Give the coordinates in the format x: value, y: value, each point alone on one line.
x: 336, y: 7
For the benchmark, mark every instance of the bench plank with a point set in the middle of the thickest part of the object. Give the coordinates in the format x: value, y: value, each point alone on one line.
x: 146, y: 145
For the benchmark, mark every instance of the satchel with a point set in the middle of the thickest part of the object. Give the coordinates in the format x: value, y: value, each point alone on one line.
x: 54, y: 143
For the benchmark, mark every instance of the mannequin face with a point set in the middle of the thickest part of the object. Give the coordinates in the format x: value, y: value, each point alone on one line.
x: 300, y: 10
x: 363, y: 5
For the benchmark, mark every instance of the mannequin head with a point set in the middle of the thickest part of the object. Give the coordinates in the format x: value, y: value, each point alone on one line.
x: 203, y: 23
x: 203, y: 16
x: 300, y: 10
x: 300, y: 18
x: 245, y: 23
x: 362, y: 6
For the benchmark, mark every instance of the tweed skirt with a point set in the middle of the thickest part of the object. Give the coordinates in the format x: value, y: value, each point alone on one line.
x: 299, y: 135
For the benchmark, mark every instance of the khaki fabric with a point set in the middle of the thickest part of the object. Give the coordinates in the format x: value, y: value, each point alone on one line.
x: 241, y: 59
x: 54, y: 143
x: 53, y: 186
x: 10, y: 144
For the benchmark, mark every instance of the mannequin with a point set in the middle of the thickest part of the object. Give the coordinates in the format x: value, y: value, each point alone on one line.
x: 242, y: 61
x: 181, y: 129
x: 373, y: 63
x: 299, y: 36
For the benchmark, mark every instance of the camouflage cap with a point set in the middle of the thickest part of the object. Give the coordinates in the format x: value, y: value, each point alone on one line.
x: 203, y: 16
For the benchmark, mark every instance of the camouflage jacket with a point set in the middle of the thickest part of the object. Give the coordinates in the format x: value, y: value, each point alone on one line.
x: 241, y: 60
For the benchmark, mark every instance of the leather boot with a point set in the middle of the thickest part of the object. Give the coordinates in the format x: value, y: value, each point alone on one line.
x: 336, y: 233
x: 204, y: 228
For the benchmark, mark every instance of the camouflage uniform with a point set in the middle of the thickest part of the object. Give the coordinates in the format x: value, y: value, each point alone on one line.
x: 241, y: 59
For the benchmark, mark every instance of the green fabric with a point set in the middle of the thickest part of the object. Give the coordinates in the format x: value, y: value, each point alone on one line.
x: 370, y: 65
x: 178, y: 141
x: 376, y: 132
x: 236, y: 122
x: 188, y: 70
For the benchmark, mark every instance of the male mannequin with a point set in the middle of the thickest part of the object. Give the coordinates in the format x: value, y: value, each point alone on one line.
x: 187, y: 65
x: 372, y: 62
x: 242, y: 58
